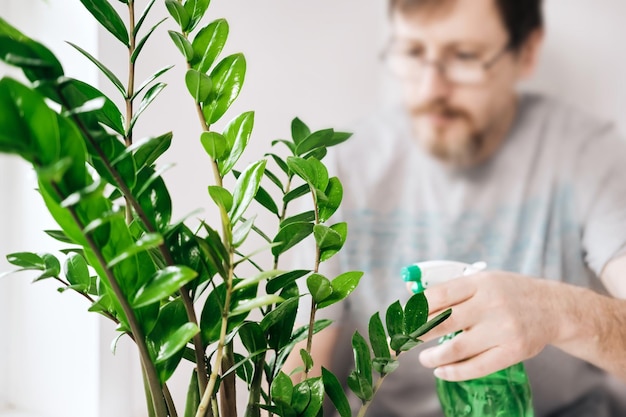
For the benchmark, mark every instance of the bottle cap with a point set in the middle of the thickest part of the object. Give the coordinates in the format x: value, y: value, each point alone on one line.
x: 413, y: 273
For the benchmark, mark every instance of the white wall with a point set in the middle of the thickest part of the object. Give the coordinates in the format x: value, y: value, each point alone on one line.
x: 316, y: 60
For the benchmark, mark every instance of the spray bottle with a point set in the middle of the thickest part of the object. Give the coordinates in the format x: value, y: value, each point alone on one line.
x: 505, y: 393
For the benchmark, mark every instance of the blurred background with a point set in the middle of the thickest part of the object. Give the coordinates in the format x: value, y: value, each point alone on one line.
x: 315, y: 60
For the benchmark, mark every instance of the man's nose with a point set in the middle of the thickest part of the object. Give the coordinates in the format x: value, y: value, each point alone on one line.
x: 434, y: 84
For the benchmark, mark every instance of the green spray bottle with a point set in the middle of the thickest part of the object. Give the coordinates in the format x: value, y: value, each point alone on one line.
x: 505, y: 393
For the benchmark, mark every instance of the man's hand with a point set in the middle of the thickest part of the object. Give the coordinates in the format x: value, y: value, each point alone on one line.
x: 505, y: 318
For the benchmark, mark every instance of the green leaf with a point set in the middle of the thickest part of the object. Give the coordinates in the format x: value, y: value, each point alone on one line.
x: 176, y: 341
x: 265, y: 199
x: 143, y: 16
x: 208, y: 44
x: 221, y: 196
x: 252, y: 338
x: 195, y: 10
x: 362, y: 357
x: 339, y: 137
x: 334, y: 193
x: 237, y: 135
x: 308, y: 216
x: 150, y: 79
x: 385, y: 366
x: 52, y: 267
x: 108, y: 18
x: 431, y: 324
x: 403, y: 343
x: 280, y: 162
x: 150, y: 96
x: 142, y: 42
x: 228, y: 77
x: 278, y: 323
x: 290, y: 236
x: 59, y: 235
x: 148, y: 150
x: 199, y: 85
x: 163, y: 284
x: 26, y: 260
x: 76, y: 271
x: 246, y: 188
x: 310, y: 170
x: 282, y: 389
x: 331, y: 245
x: 342, y: 286
x: 281, y: 281
x: 335, y: 392
x: 395, y: 319
x: 249, y: 305
x: 296, y: 193
x: 378, y: 337
x: 214, y: 144
x: 146, y: 242
x: 178, y: 12
x: 307, y: 360
x: 319, y: 286
x: 415, y: 313
x: 241, y: 233
x: 269, y: 174
x: 107, y: 72
x: 193, y: 395
x: 314, y: 391
x: 299, y: 130
x: 257, y: 278
x: 183, y: 45
x: 155, y: 200
x: 314, y: 141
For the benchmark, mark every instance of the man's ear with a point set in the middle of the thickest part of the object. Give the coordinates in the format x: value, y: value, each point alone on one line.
x: 529, y: 53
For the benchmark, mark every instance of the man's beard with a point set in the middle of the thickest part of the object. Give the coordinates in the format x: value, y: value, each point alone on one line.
x: 452, y: 144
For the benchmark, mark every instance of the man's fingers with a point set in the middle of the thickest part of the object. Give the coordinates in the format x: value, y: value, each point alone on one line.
x: 449, y: 294
x: 483, y: 364
x: 463, y: 346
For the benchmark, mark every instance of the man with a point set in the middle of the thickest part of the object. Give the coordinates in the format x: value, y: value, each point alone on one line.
x: 470, y: 170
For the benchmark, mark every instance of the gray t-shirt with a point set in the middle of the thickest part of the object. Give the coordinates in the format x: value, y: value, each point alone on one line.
x: 551, y: 203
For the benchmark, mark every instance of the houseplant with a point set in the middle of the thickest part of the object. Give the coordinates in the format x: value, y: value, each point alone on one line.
x: 177, y: 292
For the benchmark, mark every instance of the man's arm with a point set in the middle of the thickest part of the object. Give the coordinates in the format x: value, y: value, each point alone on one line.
x: 507, y: 318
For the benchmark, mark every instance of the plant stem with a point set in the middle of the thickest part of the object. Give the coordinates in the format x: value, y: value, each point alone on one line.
x: 140, y: 339
x: 227, y: 387
x: 128, y: 137
x: 170, y: 401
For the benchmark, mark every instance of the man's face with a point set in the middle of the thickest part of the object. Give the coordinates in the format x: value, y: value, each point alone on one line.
x: 458, y: 122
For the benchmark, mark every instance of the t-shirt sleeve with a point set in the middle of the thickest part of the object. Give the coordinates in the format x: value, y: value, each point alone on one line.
x: 602, y: 173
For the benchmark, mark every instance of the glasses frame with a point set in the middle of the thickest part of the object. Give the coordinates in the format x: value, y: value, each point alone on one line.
x: 441, y: 65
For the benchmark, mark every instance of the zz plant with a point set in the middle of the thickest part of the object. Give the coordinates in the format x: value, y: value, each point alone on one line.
x: 178, y: 292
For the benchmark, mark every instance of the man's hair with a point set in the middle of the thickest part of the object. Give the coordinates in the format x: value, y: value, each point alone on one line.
x: 520, y: 17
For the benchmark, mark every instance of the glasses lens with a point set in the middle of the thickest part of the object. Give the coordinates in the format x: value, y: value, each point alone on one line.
x: 464, y: 73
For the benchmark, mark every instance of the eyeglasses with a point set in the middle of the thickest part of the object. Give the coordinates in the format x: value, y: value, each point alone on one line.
x: 459, y: 67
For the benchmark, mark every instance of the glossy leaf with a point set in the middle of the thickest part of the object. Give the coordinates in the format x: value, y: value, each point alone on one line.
x: 361, y: 388
x: 163, y: 284
x: 325, y: 237
x: 176, y: 341
x: 208, y: 44
x: 242, y: 231
x: 155, y: 201
x: 26, y: 260
x: 193, y: 395
x: 282, y: 389
x: 319, y: 287
x: 269, y: 174
x: 299, y: 130
x: 195, y: 10
x: 307, y: 216
x: 331, y: 245
x: 265, y: 199
x: 261, y: 301
x: 281, y: 281
x: 59, y: 235
x: 290, y: 236
x: 246, y: 188
x: 221, y: 197
x: 335, y: 392
x: 150, y: 79
x: 334, y: 194
x: 148, y: 98
x: 257, y: 278
x: 199, y: 85
x: 107, y: 72
x: 76, y: 271
x: 378, y: 337
x: 228, y: 77
x: 280, y: 162
x: 342, y: 286
x: 148, y: 150
x: 314, y: 140
x: 142, y: 42
x: 385, y: 366
x: 431, y: 324
x: 296, y: 193
x: 178, y: 12
x: 403, y: 343
x: 314, y: 391
x: 237, y: 135
x: 108, y: 18
x: 147, y: 241
x: 415, y: 313
x: 214, y: 144
x: 252, y: 338
x: 307, y: 360
x: 278, y: 323
x: 52, y: 267
x: 183, y: 45
x: 142, y: 17
x: 310, y: 170
x: 362, y: 357
x: 394, y: 319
